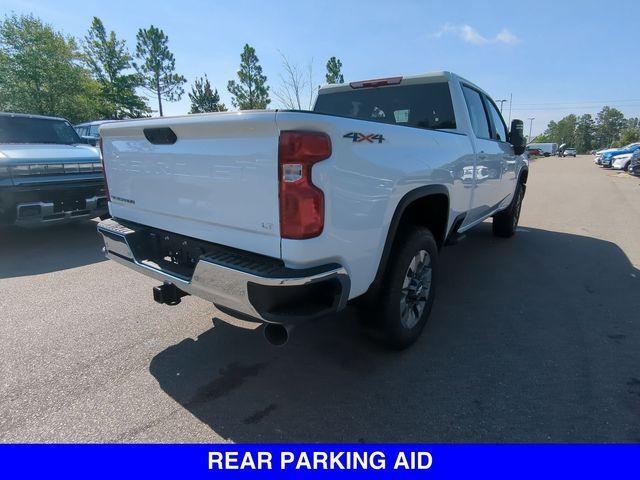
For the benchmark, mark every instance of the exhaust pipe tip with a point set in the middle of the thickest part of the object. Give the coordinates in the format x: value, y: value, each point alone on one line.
x: 276, y: 334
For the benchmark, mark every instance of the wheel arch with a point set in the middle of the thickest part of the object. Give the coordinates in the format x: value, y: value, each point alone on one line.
x: 434, y: 199
x: 523, y: 175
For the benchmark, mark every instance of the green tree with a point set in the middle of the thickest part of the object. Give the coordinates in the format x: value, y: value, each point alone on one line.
x: 609, y: 124
x: 204, y: 98
x: 629, y: 135
x: 158, y: 67
x: 108, y: 58
x: 41, y: 72
x: 334, y: 71
x: 567, y: 130
x: 251, y: 91
x: 562, y: 131
x: 585, y: 132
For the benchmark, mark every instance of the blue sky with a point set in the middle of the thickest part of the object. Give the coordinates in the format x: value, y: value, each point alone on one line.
x: 555, y: 57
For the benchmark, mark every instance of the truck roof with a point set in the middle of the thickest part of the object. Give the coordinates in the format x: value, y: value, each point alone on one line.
x: 93, y: 122
x: 429, y: 77
x: 28, y: 115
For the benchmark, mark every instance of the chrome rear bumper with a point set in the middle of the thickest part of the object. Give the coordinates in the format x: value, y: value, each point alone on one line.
x: 260, y: 287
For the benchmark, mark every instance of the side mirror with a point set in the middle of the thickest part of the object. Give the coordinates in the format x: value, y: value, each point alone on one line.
x: 516, y: 137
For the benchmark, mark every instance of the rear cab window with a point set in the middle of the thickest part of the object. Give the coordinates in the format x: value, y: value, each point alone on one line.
x: 427, y: 106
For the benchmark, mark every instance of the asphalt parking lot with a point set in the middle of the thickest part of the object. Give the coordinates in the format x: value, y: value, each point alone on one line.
x: 536, y: 338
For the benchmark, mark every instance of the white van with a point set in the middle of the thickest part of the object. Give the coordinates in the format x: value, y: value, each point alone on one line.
x: 547, y: 149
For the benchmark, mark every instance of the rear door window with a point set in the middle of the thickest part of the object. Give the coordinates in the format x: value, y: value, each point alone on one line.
x: 498, y: 130
x: 424, y: 106
x: 477, y: 113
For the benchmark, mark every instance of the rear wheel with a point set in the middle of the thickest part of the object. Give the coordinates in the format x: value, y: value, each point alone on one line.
x: 505, y: 222
x: 407, y: 290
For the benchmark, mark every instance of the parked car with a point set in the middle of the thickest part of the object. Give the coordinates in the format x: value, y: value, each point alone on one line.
x: 634, y: 164
x: 90, y: 130
x: 569, y: 152
x: 600, y: 153
x: 619, y: 159
x: 533, y: 151
x: 47, y: 174
x: 284, y: 216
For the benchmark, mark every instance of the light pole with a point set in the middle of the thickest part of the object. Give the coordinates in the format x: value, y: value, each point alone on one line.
x: 531, y: 119
x: 501, y: 102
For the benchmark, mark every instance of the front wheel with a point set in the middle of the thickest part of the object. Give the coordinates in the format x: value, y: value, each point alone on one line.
x: 407, y: 291
x: 505, y: 222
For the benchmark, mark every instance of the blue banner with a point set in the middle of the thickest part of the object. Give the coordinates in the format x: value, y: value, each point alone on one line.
x: 319, y: 461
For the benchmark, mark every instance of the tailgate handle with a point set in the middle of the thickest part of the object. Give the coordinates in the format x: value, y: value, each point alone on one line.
x: 160, y: 136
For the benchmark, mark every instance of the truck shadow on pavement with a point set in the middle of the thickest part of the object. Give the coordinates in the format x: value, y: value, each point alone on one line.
x: 534, y: 339
x: 33, y: 251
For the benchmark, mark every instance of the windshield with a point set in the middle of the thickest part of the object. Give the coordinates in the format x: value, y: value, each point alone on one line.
x: 422, y: 106
x: 36, y: 130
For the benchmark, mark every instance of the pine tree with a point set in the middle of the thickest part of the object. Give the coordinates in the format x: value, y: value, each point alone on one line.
x: 251, y: 91
x: 203, y: 98
x: 585, y: 132
x: 158, y: 66
x: 334, y: 71
x: 108, y: 58
x: 609, y: 124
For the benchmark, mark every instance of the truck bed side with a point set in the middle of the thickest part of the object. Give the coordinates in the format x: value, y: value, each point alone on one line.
x: 363, y: 182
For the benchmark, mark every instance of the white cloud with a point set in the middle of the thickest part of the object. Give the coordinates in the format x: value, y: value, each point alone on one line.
x: 505, y: 36
x: 469, y: 34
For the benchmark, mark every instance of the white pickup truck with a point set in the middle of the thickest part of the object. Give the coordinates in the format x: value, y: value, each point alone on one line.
x: 283, y: 216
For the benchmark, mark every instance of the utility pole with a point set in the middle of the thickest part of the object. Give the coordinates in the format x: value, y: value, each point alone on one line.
x: 531, y: 119
x: 501, y: 102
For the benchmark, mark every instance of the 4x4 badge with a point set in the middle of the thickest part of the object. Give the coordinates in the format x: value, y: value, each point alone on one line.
x: 361, y: 137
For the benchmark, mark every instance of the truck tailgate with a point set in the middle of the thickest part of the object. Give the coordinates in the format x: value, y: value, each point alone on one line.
x: 217, y: 182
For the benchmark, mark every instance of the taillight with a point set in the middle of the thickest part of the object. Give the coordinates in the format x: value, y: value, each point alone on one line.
x: 100, y: 146
x: 301, y: 202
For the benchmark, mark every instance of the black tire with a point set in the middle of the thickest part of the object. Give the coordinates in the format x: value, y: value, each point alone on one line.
x: 505, y: 222
x: 396, y: 331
